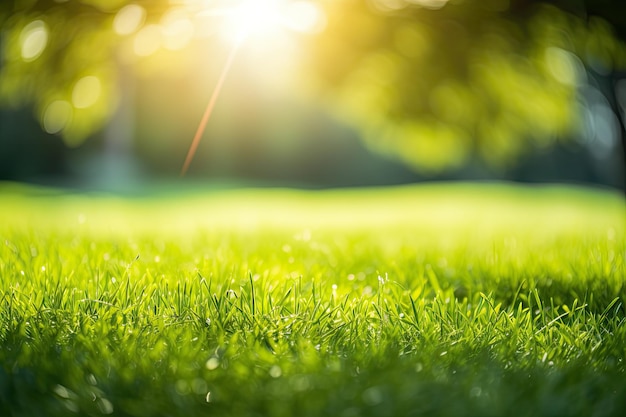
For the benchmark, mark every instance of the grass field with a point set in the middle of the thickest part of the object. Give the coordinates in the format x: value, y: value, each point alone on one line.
x: 439, y: 300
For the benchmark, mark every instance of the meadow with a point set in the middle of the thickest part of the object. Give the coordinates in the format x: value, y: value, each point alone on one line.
x: 431, y: 300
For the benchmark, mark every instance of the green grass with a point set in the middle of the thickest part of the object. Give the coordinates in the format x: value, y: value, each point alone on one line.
x: 447, y: 300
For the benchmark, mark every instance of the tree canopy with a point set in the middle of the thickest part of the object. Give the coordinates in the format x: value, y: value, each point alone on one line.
x: 437, y: 81
x: 433, y: 82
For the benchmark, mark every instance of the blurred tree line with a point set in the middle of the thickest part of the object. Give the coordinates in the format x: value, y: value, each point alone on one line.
x: 438, y: 84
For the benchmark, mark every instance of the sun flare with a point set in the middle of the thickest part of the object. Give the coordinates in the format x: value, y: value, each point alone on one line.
x: 264, y: 23
x: 253, y: 18
x: 266, y: 20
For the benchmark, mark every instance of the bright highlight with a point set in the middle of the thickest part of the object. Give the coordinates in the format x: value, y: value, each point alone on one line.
x: 57, y: 116
x: 86, y: 92
x: 33, y: 39
x: 129, y: 19
x: 148, y: 40
x: 252, y: 17
x: 267, y: 18
x: 177, y: 30
x: 259, y: 21
x: 305, y: 17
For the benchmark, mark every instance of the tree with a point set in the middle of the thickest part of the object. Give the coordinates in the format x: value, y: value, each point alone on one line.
x: 435, y: 82
x: 62, y: 58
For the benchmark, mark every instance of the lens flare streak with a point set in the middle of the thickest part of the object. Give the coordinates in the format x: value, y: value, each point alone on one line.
x: 252, y: 19
x: 209, y: 109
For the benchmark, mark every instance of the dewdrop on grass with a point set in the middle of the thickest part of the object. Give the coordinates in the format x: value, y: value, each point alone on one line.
x: 275, y: 371
x: 212, y: 364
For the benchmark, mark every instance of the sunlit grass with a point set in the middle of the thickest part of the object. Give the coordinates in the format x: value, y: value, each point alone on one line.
x: 434, y: 300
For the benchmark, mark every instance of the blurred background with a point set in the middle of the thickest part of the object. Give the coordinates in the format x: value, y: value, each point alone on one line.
x: 319, y: 93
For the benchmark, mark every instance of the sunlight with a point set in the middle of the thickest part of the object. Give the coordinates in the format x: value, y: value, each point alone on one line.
x: 177, y: 28
x: 305, y: 17
x: 266, y: 20
x: 254, y: 17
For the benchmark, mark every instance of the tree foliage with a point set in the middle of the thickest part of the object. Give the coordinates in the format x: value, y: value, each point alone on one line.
x: 435, y: 86
x: 433, y: 82
x: 62, y: 58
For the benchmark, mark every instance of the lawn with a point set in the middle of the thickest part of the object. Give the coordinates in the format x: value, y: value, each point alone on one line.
x: 434, y: 300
